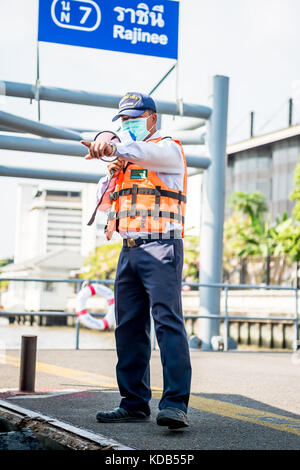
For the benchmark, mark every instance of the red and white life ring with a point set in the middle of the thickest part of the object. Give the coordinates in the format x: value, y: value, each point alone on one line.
x: 86, y: 318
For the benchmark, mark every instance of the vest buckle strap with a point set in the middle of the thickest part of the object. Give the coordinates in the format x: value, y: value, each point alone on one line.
x: 145, y: 213
x: 132, y: 211
x: 157, y: 203
x: 113, y: 196
x: 149, y: 192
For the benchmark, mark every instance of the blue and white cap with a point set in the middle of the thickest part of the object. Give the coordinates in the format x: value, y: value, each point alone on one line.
x: 134, y: 104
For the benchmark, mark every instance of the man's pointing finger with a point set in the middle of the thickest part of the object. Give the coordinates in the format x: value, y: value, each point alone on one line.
x: 86, y: 143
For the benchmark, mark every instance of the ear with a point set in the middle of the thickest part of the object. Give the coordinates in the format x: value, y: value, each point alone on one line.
x: 154, y: 118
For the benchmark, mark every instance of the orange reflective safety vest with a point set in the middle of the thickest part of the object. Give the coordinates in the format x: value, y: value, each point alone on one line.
x: 142, y: 202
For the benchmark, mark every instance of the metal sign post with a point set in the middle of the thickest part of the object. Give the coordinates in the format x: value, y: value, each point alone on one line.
x: 211, y: 243
x: 37, y: 83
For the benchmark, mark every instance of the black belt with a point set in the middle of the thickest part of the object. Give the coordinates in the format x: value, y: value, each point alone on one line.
x: 152, y: 237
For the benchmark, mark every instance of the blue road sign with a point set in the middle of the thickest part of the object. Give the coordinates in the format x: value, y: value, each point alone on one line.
x: 149, y: 28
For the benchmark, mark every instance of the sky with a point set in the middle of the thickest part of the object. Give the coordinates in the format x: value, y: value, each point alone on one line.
x: 254, y: 42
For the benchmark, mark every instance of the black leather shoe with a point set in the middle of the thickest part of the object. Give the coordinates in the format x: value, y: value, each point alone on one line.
x: 174, y: 418
x: 120, y: 415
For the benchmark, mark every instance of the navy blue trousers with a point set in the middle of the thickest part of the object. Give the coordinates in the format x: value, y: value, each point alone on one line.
x: 149, y: 276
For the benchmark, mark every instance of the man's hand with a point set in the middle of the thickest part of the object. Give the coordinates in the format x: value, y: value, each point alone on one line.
x: 116, y: 166
x: 97, y: 149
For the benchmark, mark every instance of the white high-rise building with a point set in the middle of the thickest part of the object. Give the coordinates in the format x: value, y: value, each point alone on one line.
x: 52, y: 240
x: 91, y: 235
x: 49, y: 219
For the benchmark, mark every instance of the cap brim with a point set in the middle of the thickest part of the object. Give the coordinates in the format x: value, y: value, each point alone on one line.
x: 128, y: 112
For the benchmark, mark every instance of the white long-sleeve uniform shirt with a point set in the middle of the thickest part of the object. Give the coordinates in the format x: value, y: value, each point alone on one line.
x: 164, y: 158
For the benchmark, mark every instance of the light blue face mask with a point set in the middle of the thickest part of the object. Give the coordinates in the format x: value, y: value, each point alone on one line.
x: 136, y: 128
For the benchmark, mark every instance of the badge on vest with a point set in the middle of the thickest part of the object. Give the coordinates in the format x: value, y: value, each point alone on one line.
x: 138, y: 174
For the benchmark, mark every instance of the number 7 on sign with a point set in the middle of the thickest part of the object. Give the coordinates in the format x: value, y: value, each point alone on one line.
x: 86, y: 14
x: 91, y: 12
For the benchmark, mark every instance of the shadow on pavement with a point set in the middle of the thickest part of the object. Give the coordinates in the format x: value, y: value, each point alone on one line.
x: 219, y: 422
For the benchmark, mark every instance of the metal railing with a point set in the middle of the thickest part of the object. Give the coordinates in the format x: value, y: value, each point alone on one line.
x: 226, y: 317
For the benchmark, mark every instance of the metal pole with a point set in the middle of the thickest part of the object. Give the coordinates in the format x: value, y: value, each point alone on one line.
x: 290, y: 112
x: 251, y: 124
x: 77, y: 333
x: 159, y: 120
x: 56, y: 175
x: 63, y: 95
x: 75, y: 129
x: 193, y: 137
x: 211, y: 243
x: 74, y: 149
x: 162, y: 79
x: 78, y: 287
x: 21, y: 124
x: 226, y: 321
x: 28, y: 361
x: 37, y: 83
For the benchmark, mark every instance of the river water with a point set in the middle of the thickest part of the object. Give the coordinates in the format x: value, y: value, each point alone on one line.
x: 54, y: 337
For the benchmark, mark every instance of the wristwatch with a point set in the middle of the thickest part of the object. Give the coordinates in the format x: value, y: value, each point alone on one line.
x: 114, y: 149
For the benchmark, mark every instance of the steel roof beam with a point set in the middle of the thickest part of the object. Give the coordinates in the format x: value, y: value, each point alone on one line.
x: 87, y: 98
x: 41, y: 174
x: 34, y: 127
x: 74, y: 149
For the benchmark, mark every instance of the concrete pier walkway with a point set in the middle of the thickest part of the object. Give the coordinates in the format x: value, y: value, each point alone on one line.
x: 239, y: 400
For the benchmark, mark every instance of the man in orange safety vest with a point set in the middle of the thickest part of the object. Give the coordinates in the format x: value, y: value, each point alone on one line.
x: 146, y: 203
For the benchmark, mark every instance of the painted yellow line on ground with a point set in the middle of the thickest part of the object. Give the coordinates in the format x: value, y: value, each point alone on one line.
x: 90, y: 378
x: 221, y: 408
x: 243, y: 413
x: 78, y: 375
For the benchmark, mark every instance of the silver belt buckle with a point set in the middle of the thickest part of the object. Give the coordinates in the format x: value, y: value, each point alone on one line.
x: 131, y: 242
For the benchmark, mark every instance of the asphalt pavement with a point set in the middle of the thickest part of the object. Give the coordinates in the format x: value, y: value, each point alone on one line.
x: 239, y: 400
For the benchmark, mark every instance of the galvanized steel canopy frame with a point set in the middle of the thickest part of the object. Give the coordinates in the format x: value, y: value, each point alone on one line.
x: 212, y: 219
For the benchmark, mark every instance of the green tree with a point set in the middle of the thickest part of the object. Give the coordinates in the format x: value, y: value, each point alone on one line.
x: 235, y: 249
x: 290, y: 232
x: 288, y: 243
x: 288, y: 237
x: 102, y: 263
x: 253, y: 235
x: 190, y: 272
x: 295, y: 196
x: 252, y: 204
x: 5, y: 261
